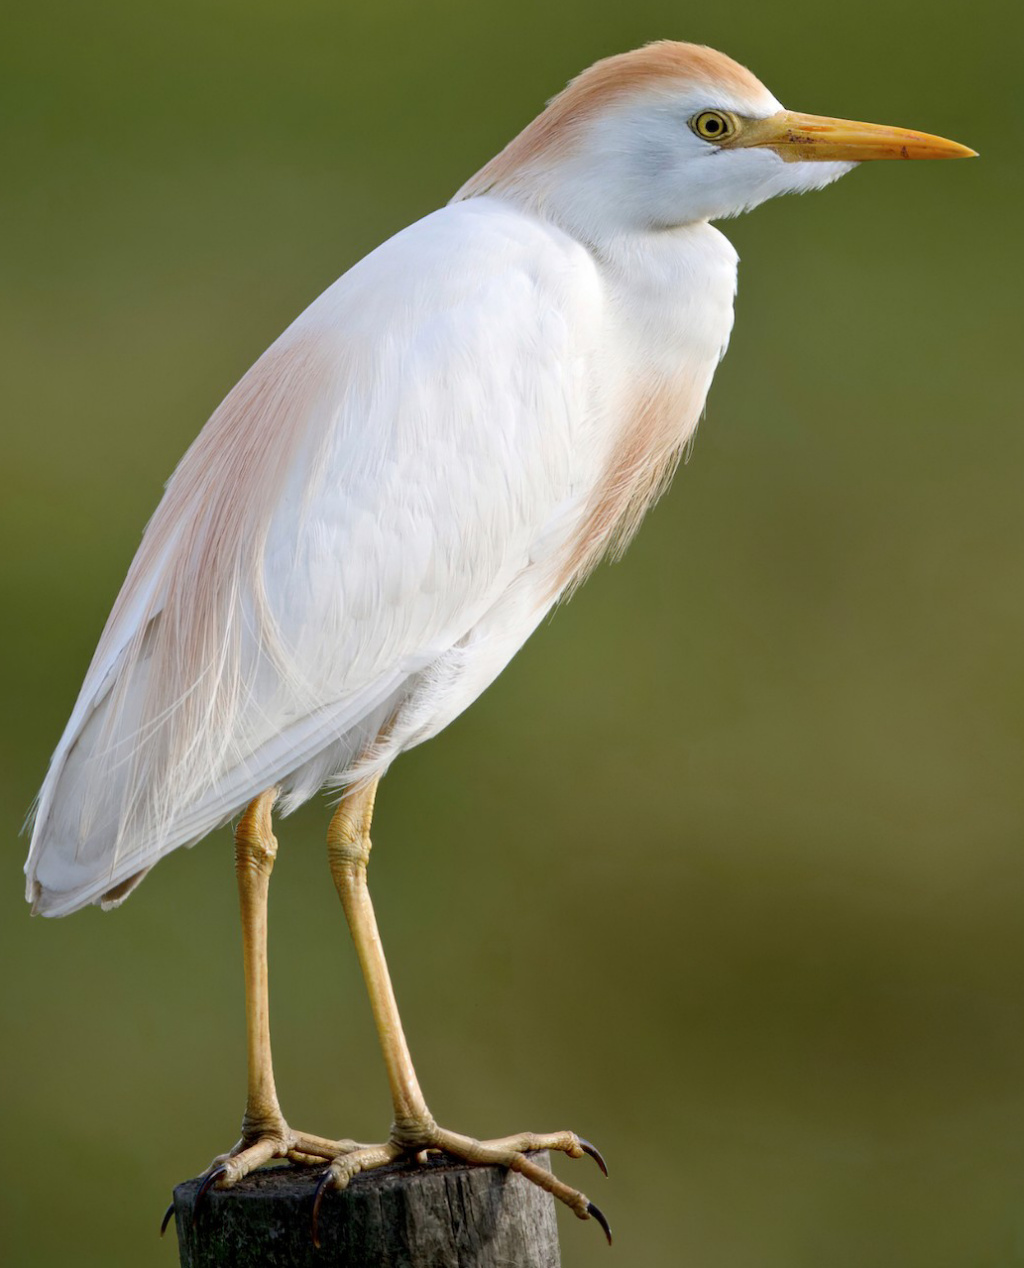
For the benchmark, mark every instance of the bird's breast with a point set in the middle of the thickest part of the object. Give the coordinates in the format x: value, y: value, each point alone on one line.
x: 670, y: 313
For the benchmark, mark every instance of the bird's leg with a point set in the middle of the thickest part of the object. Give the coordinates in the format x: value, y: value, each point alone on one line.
x: 348, y: 852
x: 265, y: 1134
x: 255, y: 853
x: 414, y: 1130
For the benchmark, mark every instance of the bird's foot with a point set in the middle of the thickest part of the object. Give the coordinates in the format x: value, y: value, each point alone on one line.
x: 258, y: 1146
x: 418, y: 1141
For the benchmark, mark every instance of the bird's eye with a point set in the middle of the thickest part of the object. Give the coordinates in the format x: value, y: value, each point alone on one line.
x: 712, y: 125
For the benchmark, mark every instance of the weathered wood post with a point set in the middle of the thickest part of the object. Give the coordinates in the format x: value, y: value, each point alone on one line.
x: 441, y: 1214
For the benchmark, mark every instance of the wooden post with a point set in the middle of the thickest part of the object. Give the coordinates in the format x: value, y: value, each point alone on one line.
x: 441, y: 1214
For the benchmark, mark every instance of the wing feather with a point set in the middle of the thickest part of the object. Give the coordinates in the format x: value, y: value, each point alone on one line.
x: 362, y: 497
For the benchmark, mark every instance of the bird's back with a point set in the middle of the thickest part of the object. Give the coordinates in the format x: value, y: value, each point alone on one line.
x: 361, y: 499
x: 374, y: 520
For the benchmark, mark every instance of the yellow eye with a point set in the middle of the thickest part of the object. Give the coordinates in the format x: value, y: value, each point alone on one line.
x: 712, y: 125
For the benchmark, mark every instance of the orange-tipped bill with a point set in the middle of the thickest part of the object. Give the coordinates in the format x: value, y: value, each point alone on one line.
x: 802, y: 137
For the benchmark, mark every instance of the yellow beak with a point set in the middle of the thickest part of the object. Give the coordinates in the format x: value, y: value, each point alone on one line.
x: 802, y: 137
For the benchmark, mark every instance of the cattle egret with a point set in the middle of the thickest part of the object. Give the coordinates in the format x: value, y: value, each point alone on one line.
x: 387, y: 504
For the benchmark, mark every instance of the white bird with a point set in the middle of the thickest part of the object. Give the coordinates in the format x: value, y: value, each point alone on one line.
x: 382, y: 511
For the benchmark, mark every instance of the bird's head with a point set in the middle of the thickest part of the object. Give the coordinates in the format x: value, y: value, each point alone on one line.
x: 674, y: 134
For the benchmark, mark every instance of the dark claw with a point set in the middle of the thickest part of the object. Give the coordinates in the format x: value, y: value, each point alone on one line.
x: 208, y: 1183
x: 595, y: 1213
x: 594, y: 1152
x: 318, y: 1197
x: 167, y: 1219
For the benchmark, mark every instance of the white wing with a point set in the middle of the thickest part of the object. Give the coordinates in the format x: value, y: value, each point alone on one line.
x: 372, y: 487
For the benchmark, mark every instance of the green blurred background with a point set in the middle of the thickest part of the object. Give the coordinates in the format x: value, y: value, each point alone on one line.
x: 726, y: 870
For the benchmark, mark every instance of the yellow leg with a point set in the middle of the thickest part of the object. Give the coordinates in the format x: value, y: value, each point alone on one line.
x: 414, y: 1129
x: 255, y: 852
x: 348, y: 852
x: 265, y: 1134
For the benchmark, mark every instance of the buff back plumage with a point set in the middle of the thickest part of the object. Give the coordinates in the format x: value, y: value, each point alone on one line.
x: 173, y: 668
